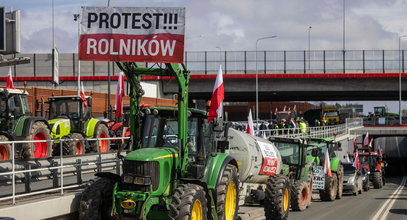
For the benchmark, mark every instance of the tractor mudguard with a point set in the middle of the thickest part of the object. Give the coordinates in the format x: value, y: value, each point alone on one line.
x: 28, y: 123
x: 215, y: 168
x: 9, y: 134
x: 335, y: 163
x: 90, y: 127
x: 108, y: 175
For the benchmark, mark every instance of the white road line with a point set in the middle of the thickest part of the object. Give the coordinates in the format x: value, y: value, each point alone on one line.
x: 393, y: 201
x: 398, y: 190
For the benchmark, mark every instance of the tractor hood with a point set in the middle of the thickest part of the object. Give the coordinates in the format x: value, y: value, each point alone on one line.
x: 152, y: 154
x: 60, y: 127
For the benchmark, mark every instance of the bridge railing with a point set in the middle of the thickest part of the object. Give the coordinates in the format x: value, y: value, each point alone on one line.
x: 22, y: 173
x: 333, y: 131
x: 237, y: 62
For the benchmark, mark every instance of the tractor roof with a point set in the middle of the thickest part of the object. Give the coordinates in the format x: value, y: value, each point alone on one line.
x: 13, y: 91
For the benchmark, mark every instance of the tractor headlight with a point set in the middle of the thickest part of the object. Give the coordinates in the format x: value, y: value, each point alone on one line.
x: 142, y: 180
x: 128, y: 179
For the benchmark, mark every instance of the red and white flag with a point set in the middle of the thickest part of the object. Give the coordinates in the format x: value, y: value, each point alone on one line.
x: 366, y: 140
x: 119, y: 95
x: 218, y: 95
x: 276, y: 111
x: 249, y: 127
x: 327, y: 164
x: 284, y: 109
x: 85, y: 105
x: 295, y: 108
x: 9, y: 82
x: 356, y: 163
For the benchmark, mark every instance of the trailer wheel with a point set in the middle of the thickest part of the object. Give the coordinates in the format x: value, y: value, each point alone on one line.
x: 97, y: 200
x: 299, y: 195
x: 227, y: 194
x: 75, y: 147
x: 377, y: 180
x: 277, y: 201
x: 340, y: 182
x: 104, y: 145
x: 189, y: 202
x: 38, y: 132
x: 331, y: 188
x: 5, y: 149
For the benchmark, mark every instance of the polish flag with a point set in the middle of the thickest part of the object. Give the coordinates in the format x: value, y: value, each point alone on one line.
x: 250, y: 128
x: 9, y: 82
x: 85, y: 105
x: 119, y: 95
x: 366, y: 140
x: 218, y: 95
x: 356, y: 163
x: 327, y: 165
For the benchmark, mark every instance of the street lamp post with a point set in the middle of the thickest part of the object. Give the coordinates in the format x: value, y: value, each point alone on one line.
x: 257, y: 78
x: 400, y: 116
x: 343, y: 36
x: 309, y: 47
x: 76, y: 18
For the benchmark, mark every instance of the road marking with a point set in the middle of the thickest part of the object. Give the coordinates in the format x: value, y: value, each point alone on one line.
x: 393, y: 201
x: 390, y: 200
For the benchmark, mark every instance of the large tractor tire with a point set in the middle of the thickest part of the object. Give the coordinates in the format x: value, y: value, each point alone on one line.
x: 104, y: 145
x: 331, y: 188
x: 189, y: 202
x: 340, y: 182
x: 76, y: 147
x: 377, y: 180
x: 39, y: 131
x: 277, y: 201
x: 300, y: 194
x: 227, y: 193
x: 5, y: 149
x: 97, y: 200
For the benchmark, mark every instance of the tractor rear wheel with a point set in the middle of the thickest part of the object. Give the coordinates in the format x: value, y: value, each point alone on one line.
x: 97, y: 200
x: 300, y: 193
x: 76, y: 147
x: 189, y: 202
x: 227, y: 194
x: 103, y: 145
x: 5, y: 149
x: 39, y: 131
x: 377, y: 180
x: 331, y: 188
x: 340, y: 182
x: 277, y: 201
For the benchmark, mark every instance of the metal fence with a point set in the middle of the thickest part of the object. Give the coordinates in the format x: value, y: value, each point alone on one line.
x: 238, y: 62
x: 317, y: 132
x: 56, y: 168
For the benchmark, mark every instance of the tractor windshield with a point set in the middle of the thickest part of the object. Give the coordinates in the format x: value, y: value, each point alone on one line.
x: 65, y: 108
x: 18, y: 105
x: 290, y: 152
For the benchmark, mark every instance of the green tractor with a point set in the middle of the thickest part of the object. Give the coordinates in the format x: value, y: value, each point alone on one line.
x: 178, y: 168
x: 16, y: 123
x: 316, y: 155
x: 297, y: 169
x: 71, y: 118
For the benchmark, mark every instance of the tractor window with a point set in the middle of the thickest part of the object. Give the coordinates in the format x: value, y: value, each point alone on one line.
x: 25, y: 105
x: 208, y: 138
x: 65, y: 108
x: 290, y: 152
x: 15, y: 106
x: 193, y: 135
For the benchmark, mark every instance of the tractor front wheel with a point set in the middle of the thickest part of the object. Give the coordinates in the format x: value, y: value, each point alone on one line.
x: 227, y: 194
x: 97, y: 200
x: 340, y: 182
x: 5, y: 149
x: 300, y: 193
x: 101, y: 145
x: 277, y: 201
x: 189, y: 203
x: 331, y: 188
x: 377, y: 180
x: 75, y: 147
x: 39, y: 132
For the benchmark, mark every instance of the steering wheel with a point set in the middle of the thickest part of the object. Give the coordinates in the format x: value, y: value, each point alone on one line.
x: 171, y: 140
x: 73, y: 115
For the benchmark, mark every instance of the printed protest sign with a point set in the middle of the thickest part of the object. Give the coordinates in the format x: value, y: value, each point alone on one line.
x: 132, y: 34
x: 270, y: 162
x: 318, y: 180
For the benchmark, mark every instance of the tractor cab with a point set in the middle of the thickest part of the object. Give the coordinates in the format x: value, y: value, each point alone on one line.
x: 13, y: 103
x: 317, y: 148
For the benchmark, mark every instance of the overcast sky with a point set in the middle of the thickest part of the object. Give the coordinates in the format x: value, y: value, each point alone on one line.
x: 236, y: 24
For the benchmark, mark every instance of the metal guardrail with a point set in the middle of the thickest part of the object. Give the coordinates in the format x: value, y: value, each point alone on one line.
x: 317, y: 132
x: 56, y: 167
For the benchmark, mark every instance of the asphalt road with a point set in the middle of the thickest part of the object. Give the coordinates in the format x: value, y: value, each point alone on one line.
x: 389, y: 203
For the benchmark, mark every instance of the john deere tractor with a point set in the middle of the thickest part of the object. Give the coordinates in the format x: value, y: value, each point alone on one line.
x: 70, y: 118
x: 177, y: 170
x: 316, y: 152
x: 16, y: 123
x: 297, y: 169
